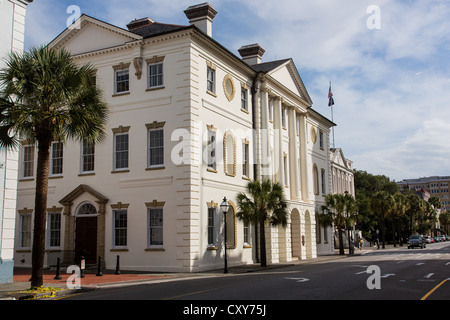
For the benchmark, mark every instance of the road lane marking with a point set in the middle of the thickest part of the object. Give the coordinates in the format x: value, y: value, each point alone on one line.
x: 433, y: 290
x: 428, y: 275
x: 298, y: 279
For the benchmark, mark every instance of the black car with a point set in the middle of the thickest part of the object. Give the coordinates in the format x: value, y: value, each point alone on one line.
x: 416, y: 241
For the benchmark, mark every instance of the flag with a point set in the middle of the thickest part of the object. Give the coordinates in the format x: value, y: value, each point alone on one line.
x: 330, y: 97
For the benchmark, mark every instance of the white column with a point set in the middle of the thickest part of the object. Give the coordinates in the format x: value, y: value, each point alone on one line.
x: 293, y: 156
x: 305, y: 174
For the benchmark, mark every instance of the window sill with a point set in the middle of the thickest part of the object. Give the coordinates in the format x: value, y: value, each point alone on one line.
x: 120, y: 171
x: 155, y: 250
x: 86, y: 174
x: 211, y: 93
x: 56, y: 177
x: 119, y: 250
x: 211, y: 170
x: 121, y: 94
x: 212, y: 248
x: 155, y: 168
x: 155, y: 88
x: 245, y: 110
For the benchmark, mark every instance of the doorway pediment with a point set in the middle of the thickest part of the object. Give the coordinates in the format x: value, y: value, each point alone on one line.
x: 78, y: 191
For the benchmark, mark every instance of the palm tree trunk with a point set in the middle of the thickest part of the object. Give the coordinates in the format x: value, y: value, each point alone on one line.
x: 393, y: 231
x: 40, y: 213
x: 262, y: 237
x: 341, y: 241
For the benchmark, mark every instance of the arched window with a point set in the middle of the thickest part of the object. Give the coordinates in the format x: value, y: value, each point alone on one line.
x: 229, y: 154
x: 316, y: 179
x: 86, y: 209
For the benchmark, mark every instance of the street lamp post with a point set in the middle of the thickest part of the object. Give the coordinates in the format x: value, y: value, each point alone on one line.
x: 224, y: 206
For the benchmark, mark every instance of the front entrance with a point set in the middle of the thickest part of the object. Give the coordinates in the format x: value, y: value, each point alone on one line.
x: 86, y: 234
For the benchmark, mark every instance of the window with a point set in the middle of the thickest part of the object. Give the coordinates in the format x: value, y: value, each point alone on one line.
x: 323, y: 181
x: 316, y: 179
x: 87, y: 156
x: 122, y: 81
x: 155, y: 75
x: 321, y: 141
x: 229, y: 147
x: 155, y: 227
x: 54, y: 229
x: 246, y: 233
x: 211, y: 80
x: 211, y: 228
x: 121, y: 148
x: 155, y: 148
x: 25, y: 230
x: 244, y: 99
x: 120, y: 228
x: 56, y: 161
x: 28, y: 162
x: 211, y: 149
x: 245, y: 159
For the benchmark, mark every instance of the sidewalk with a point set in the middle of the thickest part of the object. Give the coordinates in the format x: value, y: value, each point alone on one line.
x: 21, y: 283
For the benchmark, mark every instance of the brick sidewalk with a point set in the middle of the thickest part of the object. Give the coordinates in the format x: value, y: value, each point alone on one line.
x: 90, y: 277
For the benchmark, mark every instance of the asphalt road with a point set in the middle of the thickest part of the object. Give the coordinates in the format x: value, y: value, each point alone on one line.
x: 390, y: 274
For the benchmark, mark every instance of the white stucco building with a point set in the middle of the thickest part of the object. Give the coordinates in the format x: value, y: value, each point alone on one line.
x: 190, y: 123
x: 12, y: 26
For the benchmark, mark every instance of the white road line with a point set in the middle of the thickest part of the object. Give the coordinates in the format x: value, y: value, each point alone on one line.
x: 428, y: 275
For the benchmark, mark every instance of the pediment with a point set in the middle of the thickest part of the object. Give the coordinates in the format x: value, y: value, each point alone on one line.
x: 78, y: 191
x: 339, y: 159
x: 288, y: 75
x: 88, y: 34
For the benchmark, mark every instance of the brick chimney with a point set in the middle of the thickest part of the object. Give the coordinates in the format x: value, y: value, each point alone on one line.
x: 138, y: 23
x: 201, y: 15
x: 252, y: 53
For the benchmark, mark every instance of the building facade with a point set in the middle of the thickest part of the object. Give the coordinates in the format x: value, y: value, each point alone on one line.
x: 12, y: 24
x: 190, y: 123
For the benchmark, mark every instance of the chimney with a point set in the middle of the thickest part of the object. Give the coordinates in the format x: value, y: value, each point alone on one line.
x: 252, y: 53
x: 201, y: 15
x: 138, y: 23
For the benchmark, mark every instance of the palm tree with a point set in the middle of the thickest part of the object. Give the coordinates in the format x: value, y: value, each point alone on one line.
x: 46, y: 97
x: 339, y: 209
x: 382, y: 204
x: 266, y: 203
x: 401, y: 206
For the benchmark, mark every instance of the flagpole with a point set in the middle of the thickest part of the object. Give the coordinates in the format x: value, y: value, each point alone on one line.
x: 332, y: 116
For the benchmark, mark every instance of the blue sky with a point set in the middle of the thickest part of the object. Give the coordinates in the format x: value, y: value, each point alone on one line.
x: 391, y: 83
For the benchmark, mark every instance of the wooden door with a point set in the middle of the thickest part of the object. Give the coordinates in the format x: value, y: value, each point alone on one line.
x: 86, y: 239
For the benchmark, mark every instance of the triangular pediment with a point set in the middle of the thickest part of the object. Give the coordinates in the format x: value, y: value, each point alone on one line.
x: 339, y: 159
x: 81, y: 189
x: 287, y: 74
x: 88, y: 34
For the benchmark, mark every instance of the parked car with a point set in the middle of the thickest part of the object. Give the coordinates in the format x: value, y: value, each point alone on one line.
x: 416, y: 241
x: 427, y: 239
x: 437, y: 239
x: 443, y: 237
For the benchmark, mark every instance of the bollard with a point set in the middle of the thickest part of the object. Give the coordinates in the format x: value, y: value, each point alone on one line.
x: 117, y: 265
x: 82, y: 267
x: 58, y: 270
x: 99, y: 269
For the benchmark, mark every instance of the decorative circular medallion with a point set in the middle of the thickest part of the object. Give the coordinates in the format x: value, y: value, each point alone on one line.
x: 313, y: 135
x: 228, y: 87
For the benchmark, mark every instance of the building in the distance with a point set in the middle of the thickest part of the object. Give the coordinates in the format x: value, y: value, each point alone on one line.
x: 190, y: 123
x: 435, y: 186
x: 12, y: 26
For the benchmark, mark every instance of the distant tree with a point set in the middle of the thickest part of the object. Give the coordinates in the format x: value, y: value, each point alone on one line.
x: 382, y: 204
x: 340, y: 210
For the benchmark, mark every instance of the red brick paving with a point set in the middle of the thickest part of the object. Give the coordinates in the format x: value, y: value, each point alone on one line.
x: 89, y: 279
